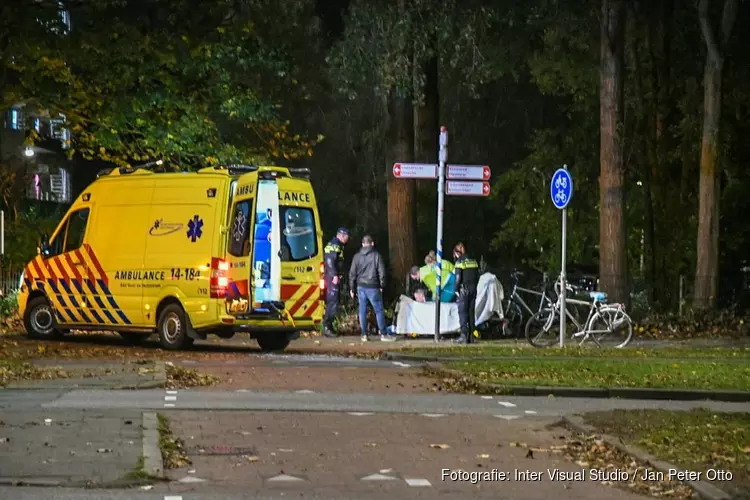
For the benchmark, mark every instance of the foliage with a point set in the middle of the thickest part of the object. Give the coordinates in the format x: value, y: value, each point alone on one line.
x: 24, y: 233
x: 166, y: 80
x: 609, y: 373
x: 695, y: 440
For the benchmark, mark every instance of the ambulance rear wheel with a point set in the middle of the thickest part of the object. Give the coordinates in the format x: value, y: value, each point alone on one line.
x: 172, y: 328
x: 272, y: 341
x: 39, y: 320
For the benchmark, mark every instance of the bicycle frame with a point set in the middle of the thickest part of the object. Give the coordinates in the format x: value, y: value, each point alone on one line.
x: 585, y: 331
x: 515, y: 297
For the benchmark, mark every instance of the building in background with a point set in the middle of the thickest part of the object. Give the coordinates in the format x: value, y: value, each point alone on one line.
x: 42, y: 169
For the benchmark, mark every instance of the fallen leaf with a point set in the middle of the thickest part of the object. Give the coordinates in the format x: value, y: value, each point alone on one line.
x: 252, y: 459
x: 440, y: 446
x: 483, y: 455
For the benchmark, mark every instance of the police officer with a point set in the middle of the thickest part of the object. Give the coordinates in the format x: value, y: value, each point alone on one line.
x: 467, y: 279
x: 334, y: 270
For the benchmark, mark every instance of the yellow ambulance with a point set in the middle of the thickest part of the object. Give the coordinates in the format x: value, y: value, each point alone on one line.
x: 218, y: 251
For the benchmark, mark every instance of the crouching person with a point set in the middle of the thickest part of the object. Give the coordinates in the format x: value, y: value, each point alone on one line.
x: 367, y: 277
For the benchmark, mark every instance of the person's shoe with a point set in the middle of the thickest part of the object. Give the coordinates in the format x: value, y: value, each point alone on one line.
x: 363, y: 338
x: 461, y: 340
x: 328, y: 333
x: 387, y: 338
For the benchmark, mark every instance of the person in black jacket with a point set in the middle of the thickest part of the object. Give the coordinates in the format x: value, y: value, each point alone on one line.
x: 367, y: 277
x: 467, y: 279
x: 334, y: 271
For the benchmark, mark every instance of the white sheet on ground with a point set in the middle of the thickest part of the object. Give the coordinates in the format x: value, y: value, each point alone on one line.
x: 419, y: 317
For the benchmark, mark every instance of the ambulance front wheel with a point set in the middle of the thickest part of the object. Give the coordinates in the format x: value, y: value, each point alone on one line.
x: 39, y: 319
x: 272, y: 341
x: 172, y: 328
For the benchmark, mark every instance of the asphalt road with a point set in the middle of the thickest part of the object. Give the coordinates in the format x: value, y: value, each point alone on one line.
x: 313, y: 401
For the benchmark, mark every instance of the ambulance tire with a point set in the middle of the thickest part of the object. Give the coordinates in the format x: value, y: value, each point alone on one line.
x: 172, y: 328
x: 272, y: 341
x: 39, y: 320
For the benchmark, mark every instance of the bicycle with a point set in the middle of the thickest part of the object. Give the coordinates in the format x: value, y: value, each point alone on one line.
x: 513, y: 315
x: 612, y: 317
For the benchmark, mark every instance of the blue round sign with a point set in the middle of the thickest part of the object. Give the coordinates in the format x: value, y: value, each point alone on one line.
x: 561, y: 188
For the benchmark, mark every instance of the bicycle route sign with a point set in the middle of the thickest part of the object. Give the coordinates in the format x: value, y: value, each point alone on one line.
x: 561, y: 188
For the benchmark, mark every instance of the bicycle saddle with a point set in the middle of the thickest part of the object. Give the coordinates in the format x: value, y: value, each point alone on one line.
x: 598, y: 296
x: 516, y: 274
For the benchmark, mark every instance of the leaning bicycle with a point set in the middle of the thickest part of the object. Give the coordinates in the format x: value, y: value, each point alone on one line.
x: 512, y: 312
x: 607, y: 325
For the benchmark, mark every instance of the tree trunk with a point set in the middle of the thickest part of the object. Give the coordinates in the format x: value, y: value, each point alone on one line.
x: 427, y: 116
x: 707, y: 255
x: 401, y: 192
x: 613, y: 270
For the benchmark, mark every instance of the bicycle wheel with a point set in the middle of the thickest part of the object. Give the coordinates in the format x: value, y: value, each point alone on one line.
x: 611, y: 327
x: 540, y: 332
x: 513, y: 321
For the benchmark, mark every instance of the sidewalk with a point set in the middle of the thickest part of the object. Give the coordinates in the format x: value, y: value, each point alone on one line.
x: 69, y: 447
x: 97, y: 375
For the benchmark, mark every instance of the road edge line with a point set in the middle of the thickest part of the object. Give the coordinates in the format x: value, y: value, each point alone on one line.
x: 703, y: 488
x: 153, y: 463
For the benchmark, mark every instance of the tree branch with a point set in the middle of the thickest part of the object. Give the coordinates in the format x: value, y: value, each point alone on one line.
x: 714, y: 51
x: 728, y: 18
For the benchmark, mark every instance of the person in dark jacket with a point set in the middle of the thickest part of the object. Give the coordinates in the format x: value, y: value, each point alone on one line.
x: 467, y: 279
x: 334, y: 272
x: 367, y: 277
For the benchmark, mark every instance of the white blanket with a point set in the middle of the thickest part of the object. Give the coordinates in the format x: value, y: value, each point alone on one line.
x: 419, y: 317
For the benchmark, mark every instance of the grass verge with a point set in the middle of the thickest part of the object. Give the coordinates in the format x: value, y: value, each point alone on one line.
x: 521, y: 350
x: 697, y: 440
x: 607, y: 374
x: 172, y: 448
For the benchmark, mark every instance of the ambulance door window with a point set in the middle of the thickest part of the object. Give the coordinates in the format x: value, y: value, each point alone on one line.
x: 239, y: 242
x: 76, y: 230
x: 299, y: 240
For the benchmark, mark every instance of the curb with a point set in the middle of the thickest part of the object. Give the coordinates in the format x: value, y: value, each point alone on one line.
x: 152, y: 459
x: 40, y: 482
x: 615, y: 392
x: 396, y: 356
x: 705, y: 489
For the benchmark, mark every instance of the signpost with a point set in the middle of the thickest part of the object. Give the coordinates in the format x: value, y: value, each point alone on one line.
x: 460, y: 184
x: 561, y: 191
x: 469, y: 172
x: 415, y: 170
x: 467, y: 188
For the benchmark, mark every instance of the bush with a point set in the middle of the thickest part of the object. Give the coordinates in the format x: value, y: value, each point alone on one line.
x: 9, y: 309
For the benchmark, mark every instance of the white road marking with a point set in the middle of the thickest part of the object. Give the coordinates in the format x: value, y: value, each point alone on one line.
x: 486, y: 397
x: 360, y: 413
x: 403, y: 365
x: 168, y: 405
x: 173, y: 497
x: 506, y: 404
x: 418, y: 482
x: 530, y: 412
x: 507, y: 417
x: 433, y: 415
x: 285, y: 477
x: 192, y: 479
x: 170, y: 398
x: 386, y: 471
x: 305, y: 391
x: 242, y: 390
x: 377, y: 477
x: 171, y: 392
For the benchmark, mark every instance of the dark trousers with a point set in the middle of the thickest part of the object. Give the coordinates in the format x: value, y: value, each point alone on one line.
x: 466, y: 315
x: 333, y: 296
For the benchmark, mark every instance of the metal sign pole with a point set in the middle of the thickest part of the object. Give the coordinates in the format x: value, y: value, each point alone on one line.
x: 442, y: 157
x: 562, y: 277
x: 2, y: 232
x: 563, y: 287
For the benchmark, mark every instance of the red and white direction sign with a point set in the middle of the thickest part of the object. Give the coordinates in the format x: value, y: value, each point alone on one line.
x: 469, y: 172
x: 460, y: 188
x: 415, y: 170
